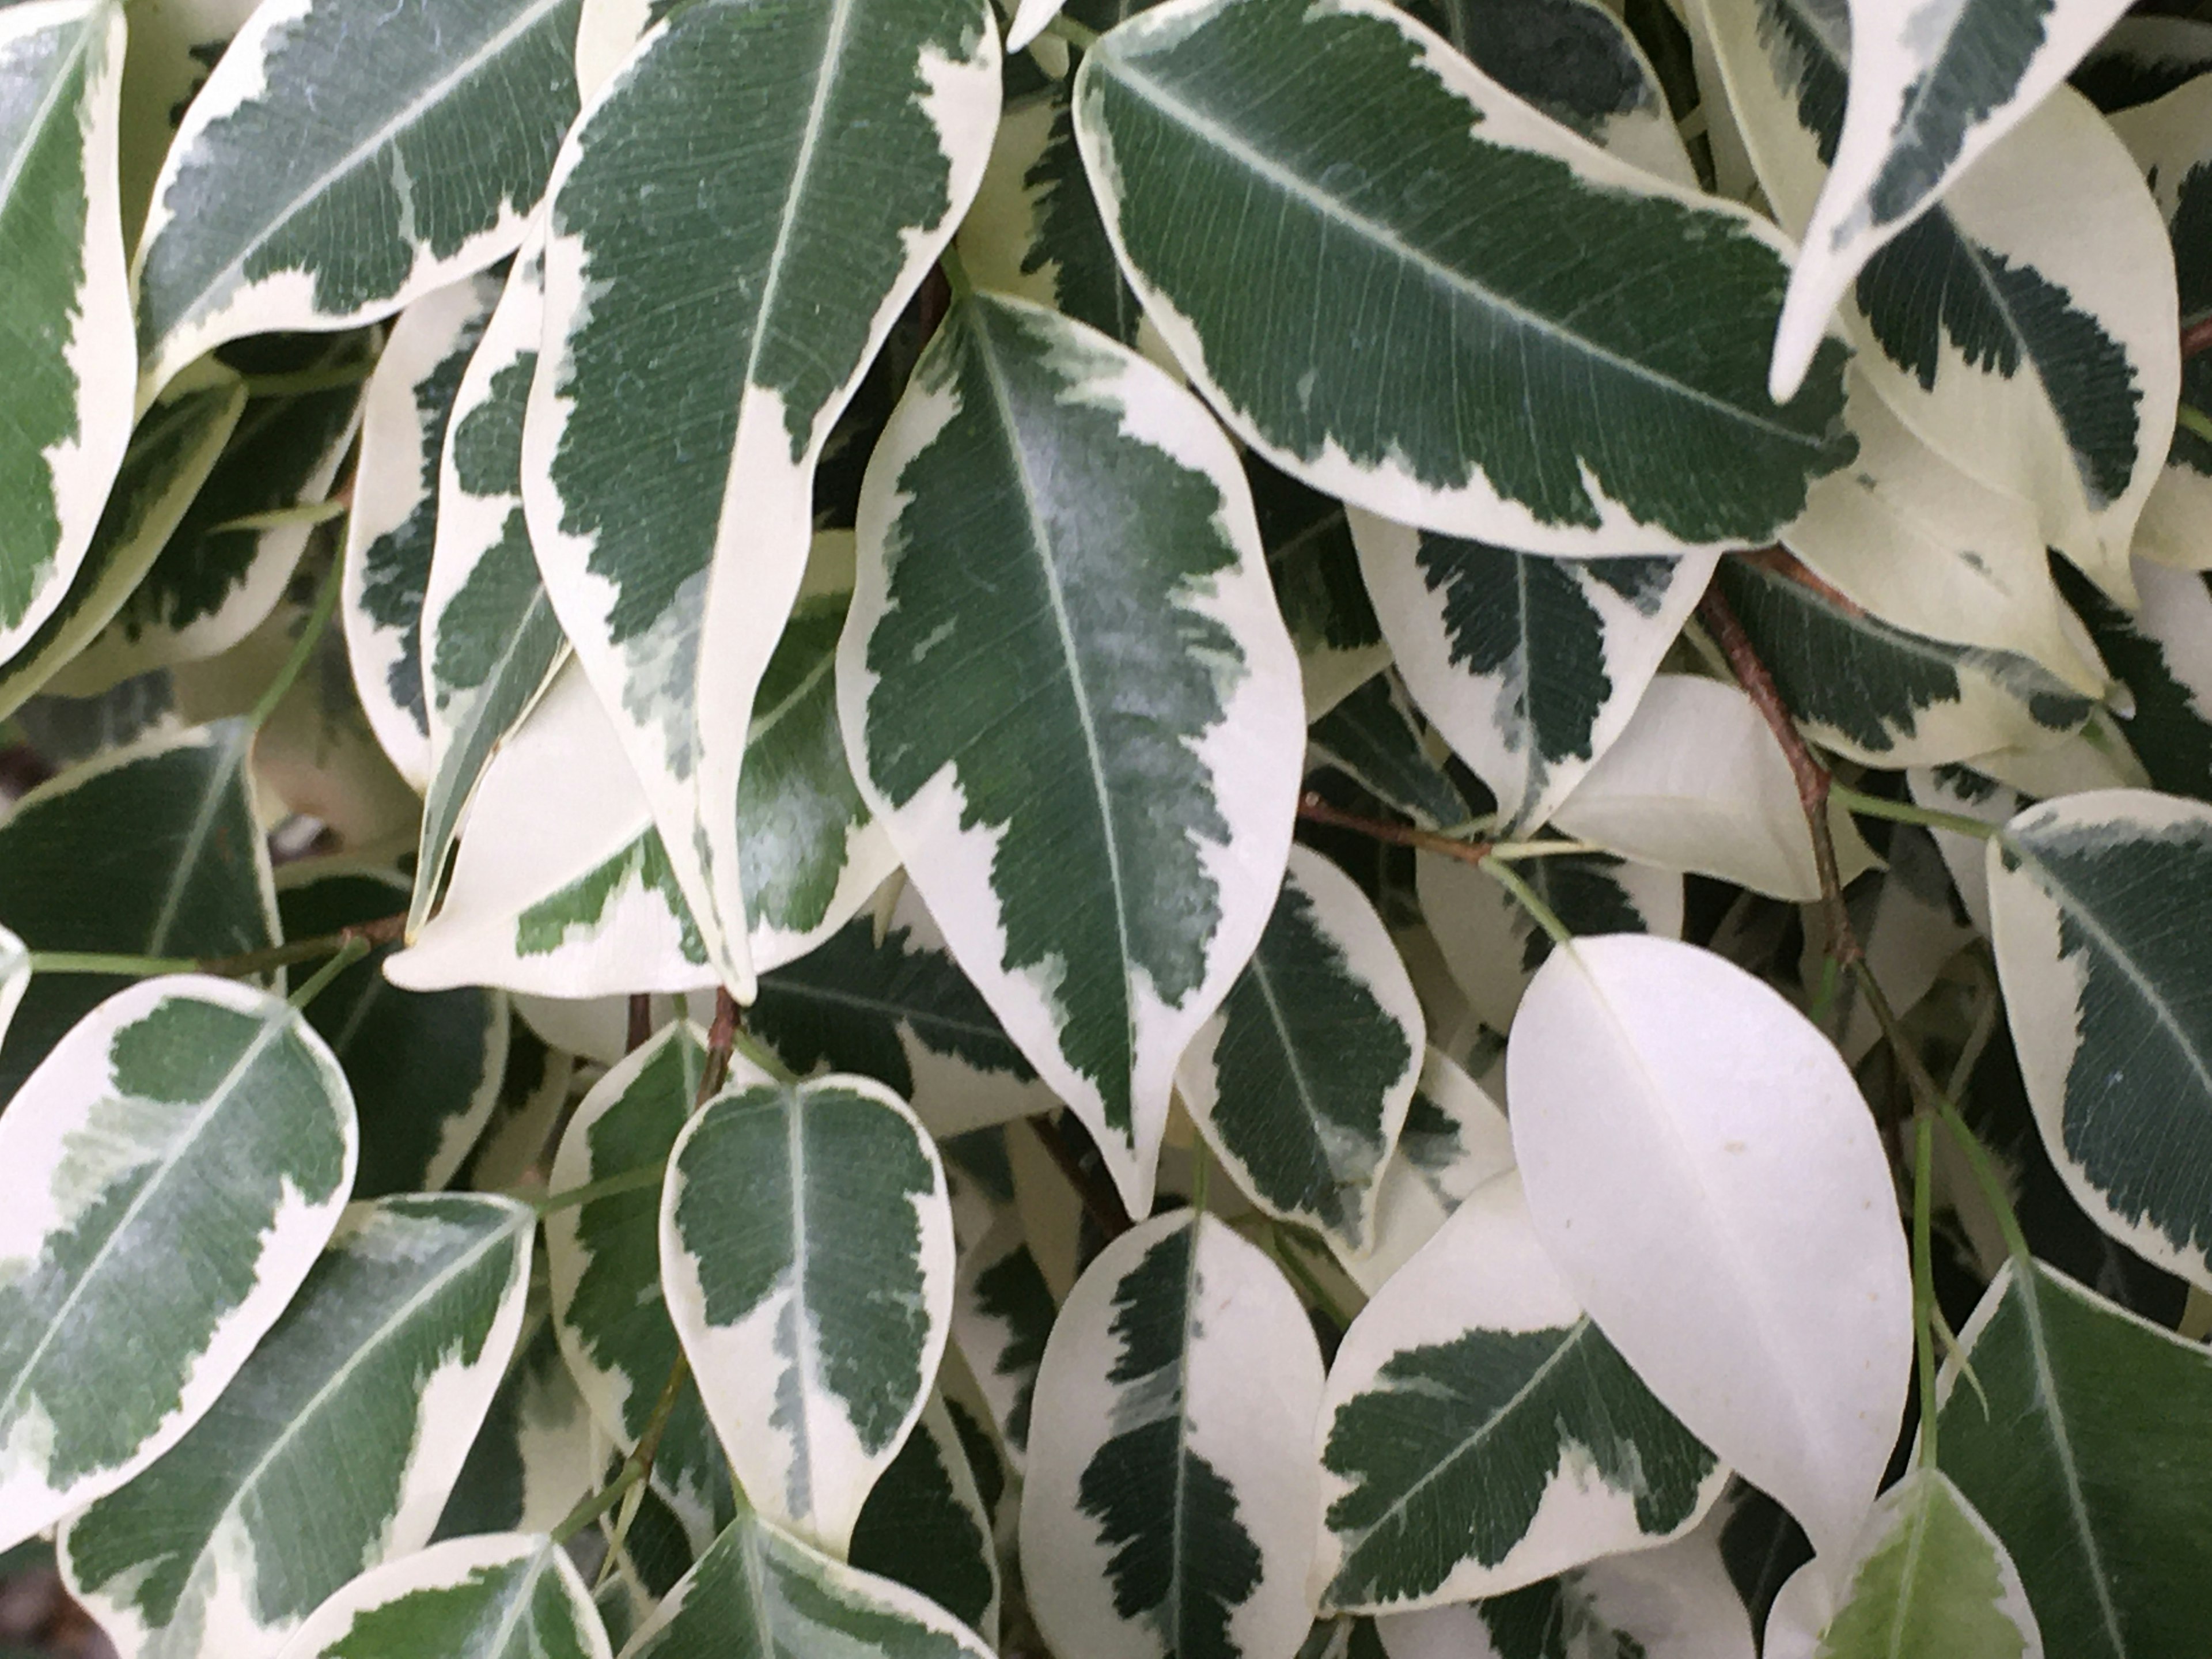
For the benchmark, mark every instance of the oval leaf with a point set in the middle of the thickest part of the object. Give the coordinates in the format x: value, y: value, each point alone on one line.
x: 512, y: 1595
x: 925, y: 1526
x: 1701, y: 1166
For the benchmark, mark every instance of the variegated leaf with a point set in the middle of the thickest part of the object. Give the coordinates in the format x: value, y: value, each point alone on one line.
x: 2100, y: 904
x: 302, y: 194
x: 14, y: 977
x: 1375, y: 738
x: 1930, y: 91
x: 672, y: 512
x: 603, y: 1258
x: 2020, y: 325
x: 152, y: 850
x: 899, y: 1009
x: 173, y: 48
x: 505, y: 1596
x: 2162, y: 656
x: 1456, y: 1140
x: 1529, y: 666
x: 2086, y: 1449
x: 1959, y: 790
x: 1171, y: 1501
x: 404, y: 419
x: 1884, y: 697
x: 425, y: 1067
x: 1132, y: 642
x: 925, y: 1526
x: 380, y: 1370
x: 806, y: 1246
x: 1002, y: 1312
x: 1492, y: 946
x: 490, y: 643
x: 1316, y: 570
x: 172, y: 452
x: 174, y: 1166
x: 1301, y: 1082
x: 760, y: 1593
x: 1447, y: 370
x: 1698, y: 783
x: 2142, y: 58
x: 532, y: 1099
x: 540, y: 1454
x: 1480, y: 1433
x: 62, y: 325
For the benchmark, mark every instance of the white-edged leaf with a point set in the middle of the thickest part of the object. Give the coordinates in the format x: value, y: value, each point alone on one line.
x: 771, y: 1592
x: 1480, y: 1433
x: 14, y: 977
x: 1030, y: 19
x: 539, y: 1455
x: 1494, y: 947
x: 1702, y: 1167
x: 925, y: 1525
x: 503, y: 1596
x: 671, y: 512
x: 2162, y: 656
x: 1529, y: 666
x: 1002, y: 1313
x: 2090, y: 1460
x: 2100, y: 904
x: 1930, y: 92
x: 1698, y: 783
x: 2095, y: 758
x: 1316, y: 570
x: 490, y: 643
x: 1131, y: 634
x: 174, y: 1166
x: 172, y: 49
x: 1909, y: 927
x: 1447, y: 369
x: 1375, y: 738
x: 172, y: 451
x: 1301, y: 1081
x: 806, y: 1247
x: 603, y: 1260
x: 1171, y: 1500
x: 1967, y: 793
x: 154, y: 849
x: 63, y: 356
x: 331, y: 1452
x: 405, y: 415
x: 2143, y: 58
x: 1455, y: 1140
x: 1882, y: 696
x: 1927, y: 1575
x: 301, y: 194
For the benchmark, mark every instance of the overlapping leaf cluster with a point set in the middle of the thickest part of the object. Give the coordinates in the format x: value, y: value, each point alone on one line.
x: 1224, y: 829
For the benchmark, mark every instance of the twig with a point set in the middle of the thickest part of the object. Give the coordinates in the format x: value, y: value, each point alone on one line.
x: 635, y: 1468
x: 1313, y: 809
x: 385, y: 930
x: 1099, y: 1199
x: 641, y: 1022
x: 2197, y: 338
x: 311, y: 634
x: 721, y: 1037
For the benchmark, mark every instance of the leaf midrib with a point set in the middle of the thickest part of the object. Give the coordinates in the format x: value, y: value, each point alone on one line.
x: 35, y: 129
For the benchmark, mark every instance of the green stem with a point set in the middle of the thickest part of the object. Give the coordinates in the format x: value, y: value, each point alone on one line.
x: 1080, y: 36
x: 592, y: 1192
x: 635, y: 1469
x: 2192, y: 419
x: 1924, y: 1278
x: 304, y: 381
x: 1289, y: 1253
x: 383, y: 931
x: 348, y: 954
x: 1992, y: 1186
x: 1505, y: 877
x: 744, y: 1042
x: 1202, y: 1170
x: 280, y: 518
x: 955, y: 273
x: 99, y: 962
x: 1511, y: 850
x: 1900, y: 811
x: 326, y: 602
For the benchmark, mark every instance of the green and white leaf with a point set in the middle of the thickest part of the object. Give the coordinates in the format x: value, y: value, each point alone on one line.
x: 174, y: 1166
x: 1701, y: 1167
x: 1930, y: 93
x: 14, y: 977
x: 1119, y: 723
x: 172, y: 452
x: 2095, y: 758
x: 539, y: 1454
x: 925, y: 1526
x: 211, y: 586
x: 302, y: 195
x: 2100, y: 904
x: 1443, y: 238
x: 1529, y: 666
x: 2162, y: 656
x: 1910, y: 925
x: 1316, y: 570
x: 671, y: 513
x: 1911, y: 539
x: 1171, y: 1502
x: 154, y: 849
x: 490, y: 643
x: 1492, y: 946
x: 1375, y: 738
x: 899, y: 1009
x: 425, y: 1067
x: 1968, y: 793
x: 2089, y: 1460
x: 1480, y: 1434
x: 603, y: 1260
x: 806, y: 1247
x: 1698, y: 783
x: 65, y: 316
x: 1301, y: 1082
x: 1002, y: 1312
x: 406, y: 415
x: 1456, y: 1140
x: 532, y: 1098
x: 2143, y: 58
x: 381, y: 1369
x: 505, y: 1596
x: 2020, y: 325
x: 1884, y: 697
x: 760, y: 1593
x: 174, y: 47
x: 1926, y: 1575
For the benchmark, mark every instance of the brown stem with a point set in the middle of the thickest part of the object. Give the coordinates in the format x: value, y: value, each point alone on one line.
x: 721, y: 1037
x: 385, y: 930
x: 2197, y: 338
x: 1313, y: 809
x: 1811, y: 776
x: 641, y: 1022
x: 1095, y: 1190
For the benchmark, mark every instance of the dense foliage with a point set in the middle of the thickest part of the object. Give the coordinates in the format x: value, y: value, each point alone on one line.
x: 800, y: 779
